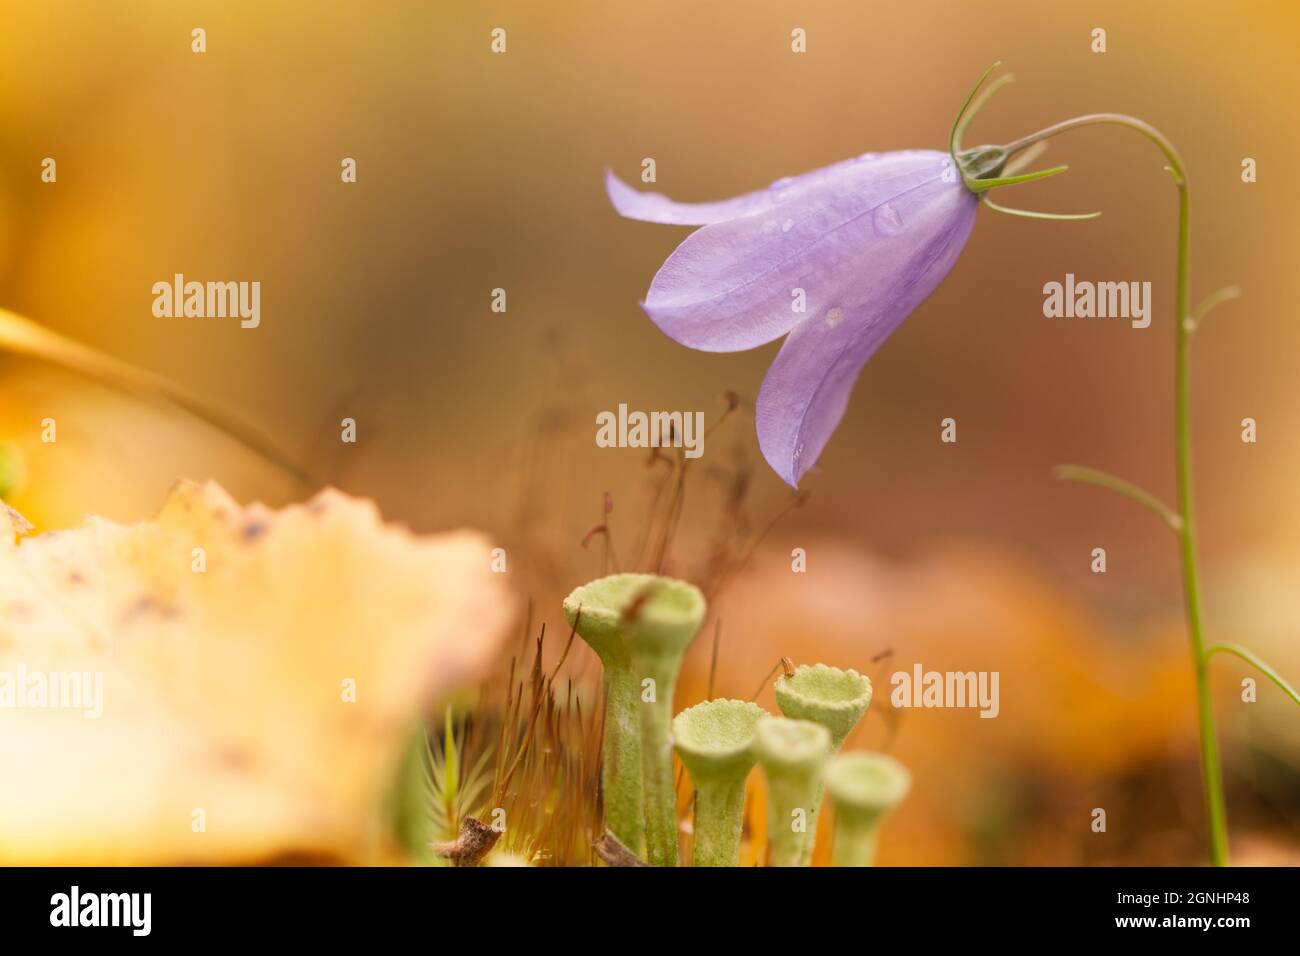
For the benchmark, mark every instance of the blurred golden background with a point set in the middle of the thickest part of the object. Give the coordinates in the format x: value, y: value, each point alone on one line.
x: 478, y: 171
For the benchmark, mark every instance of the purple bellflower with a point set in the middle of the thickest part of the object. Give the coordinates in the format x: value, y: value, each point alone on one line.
x: 834, y: 260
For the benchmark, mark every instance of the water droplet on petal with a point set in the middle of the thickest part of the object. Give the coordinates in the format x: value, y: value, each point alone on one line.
x: 834, y: 317
x: 787, y: 225
x: 887, y: 221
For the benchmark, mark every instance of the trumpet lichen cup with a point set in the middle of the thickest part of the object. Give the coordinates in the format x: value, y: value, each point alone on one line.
x: 826, y: 695
x: 594, y: 612
x: 715, y: 741
x: 640, y: 626
x: 863, y: 788
x: 793, y: 754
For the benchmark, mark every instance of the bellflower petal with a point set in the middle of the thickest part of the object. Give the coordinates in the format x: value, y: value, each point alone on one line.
x: 859, y: 244
x: 807, y: 388
x: 656, y: 207
x: 733, y: 284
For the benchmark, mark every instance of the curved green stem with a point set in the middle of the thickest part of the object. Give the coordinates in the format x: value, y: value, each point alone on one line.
x: 1092, y: 476
x: 960, y: 123
x: 1226, y: 294
x: 1251, y: 658
x: 1098, y: 119
x: 1031, y: 214
x: 975, y: 103
x: 1211, y: 770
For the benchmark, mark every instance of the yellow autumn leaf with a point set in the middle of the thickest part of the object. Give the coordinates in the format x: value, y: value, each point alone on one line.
x: 225, y: 684
x: 22, y: 336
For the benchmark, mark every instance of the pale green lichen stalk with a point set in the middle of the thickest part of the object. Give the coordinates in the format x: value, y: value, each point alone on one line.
x: 793, y: 754
x: 658, y: 632
x: 640, y: 626
x: 596, y: 614
x: 825, y: 695
x: 715, y: 741
x: 863, y: 788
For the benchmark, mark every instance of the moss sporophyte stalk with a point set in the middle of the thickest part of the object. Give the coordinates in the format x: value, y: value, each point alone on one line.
x: 640, y: 626
x: 715, y: 741
x: 863, y: 788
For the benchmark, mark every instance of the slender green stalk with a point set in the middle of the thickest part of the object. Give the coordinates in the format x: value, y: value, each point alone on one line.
x: 640, y: 626
x: 1031, y: 214
x: 793, y: 753
x: 657, y: 763
x: 855, y: 843
x: 719, y: 823
x: 864, y: 788
x: 595, y: 615
x: 620, y: 771
x: 1211, y: 770
x: 1132, y: 492
x: 716, y: 742
x: 834, y: 698
x: 1211, y: 302
x: 1250, y: 657
x: 660, y: 625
